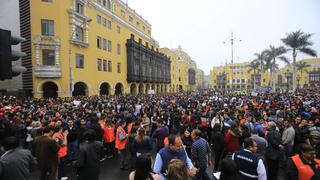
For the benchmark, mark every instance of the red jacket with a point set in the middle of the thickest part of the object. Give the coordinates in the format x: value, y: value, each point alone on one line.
x: 231, y: 141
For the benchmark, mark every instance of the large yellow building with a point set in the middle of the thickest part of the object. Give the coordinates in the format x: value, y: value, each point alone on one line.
x: 308, y: 76
x: 184, y: 72
x: 79, y: 47
x: 237, y: 76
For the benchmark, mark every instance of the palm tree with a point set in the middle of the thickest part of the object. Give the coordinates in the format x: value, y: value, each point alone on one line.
x: 272, y: 54
x: 301, y: 65
x: 254, y: 65
x: 260, y: 57
x: 298, y: 42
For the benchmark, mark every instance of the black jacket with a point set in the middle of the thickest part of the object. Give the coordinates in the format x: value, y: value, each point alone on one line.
x: 88, y: 162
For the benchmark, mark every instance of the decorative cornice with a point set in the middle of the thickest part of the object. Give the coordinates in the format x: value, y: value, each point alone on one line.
x: 133, y: 12
x: 121, y: 21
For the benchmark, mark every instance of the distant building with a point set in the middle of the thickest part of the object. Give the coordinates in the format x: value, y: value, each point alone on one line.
x: 237, y: 76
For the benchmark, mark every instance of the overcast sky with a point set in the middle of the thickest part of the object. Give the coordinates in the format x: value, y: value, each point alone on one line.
x: 201, y: 26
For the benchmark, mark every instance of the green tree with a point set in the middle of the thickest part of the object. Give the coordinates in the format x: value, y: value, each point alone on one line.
x: 261, y: 57
x: 301, y: 67
x: 298, y: 41
x: 254, y: 66
x: 272, y: 54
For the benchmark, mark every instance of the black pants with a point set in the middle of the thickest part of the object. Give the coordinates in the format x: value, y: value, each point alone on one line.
x: 109, y: 147
x: 61, y: 168
x: 217, y: 157
x: 273, y: 166
x: 49, y: 174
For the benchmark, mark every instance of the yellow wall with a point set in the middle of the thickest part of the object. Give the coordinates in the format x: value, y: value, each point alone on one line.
x: 241, y: 71
x: 58, y: 11
x: 302, y: 76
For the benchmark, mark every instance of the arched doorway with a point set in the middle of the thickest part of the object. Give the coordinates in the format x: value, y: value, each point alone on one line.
x: 118, y: 89
x: 180, y: 88
x: 161, y: 89
x: 158, y: 88
x: 133, y: 89
x: 141, y: 89
x: 105, y: 89
x: 79, y: 89
x: 50, y: 90
x: 147, y: 88
x: 165, y: 88
x: 153, y: 87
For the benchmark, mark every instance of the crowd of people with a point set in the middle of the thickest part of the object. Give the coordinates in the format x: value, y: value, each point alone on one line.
x: 249, y: 136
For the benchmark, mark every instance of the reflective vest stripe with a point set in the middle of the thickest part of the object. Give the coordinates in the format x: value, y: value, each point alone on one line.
x: 248, y: 175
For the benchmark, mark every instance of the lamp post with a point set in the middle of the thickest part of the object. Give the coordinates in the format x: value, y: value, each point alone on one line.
x: 232, y: 40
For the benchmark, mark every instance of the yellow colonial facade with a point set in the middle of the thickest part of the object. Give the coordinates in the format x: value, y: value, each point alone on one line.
x: 306, y: 77
x: 79, y: 47
x: 236, y: 76
x: 184, y: 72
x: 200, y: 79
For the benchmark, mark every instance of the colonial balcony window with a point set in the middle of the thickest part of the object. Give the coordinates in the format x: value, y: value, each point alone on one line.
x: 47, y: 53
x: 48, y: 57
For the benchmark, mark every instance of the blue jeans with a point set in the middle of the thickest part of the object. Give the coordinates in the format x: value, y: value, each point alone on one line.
x: 72, y: 151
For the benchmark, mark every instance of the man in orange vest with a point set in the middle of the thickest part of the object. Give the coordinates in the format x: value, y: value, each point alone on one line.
x: 304, y: 166
x: 108, y: 138
x: 121, y: 141
x: 61, y: 139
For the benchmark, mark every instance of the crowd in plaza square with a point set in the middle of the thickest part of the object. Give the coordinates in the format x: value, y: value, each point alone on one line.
x: 249, y: 136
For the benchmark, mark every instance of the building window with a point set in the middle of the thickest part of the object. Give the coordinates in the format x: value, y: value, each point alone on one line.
x: 47, y: 27
x: 46, y: 0
x: 109, y: 66
x: 108, y: 4
x: 104, y: 22
x: 99, y: 42
x: 104, y: 3
x: 149, y: 32
x: 98, y: 19
x: 79, y: 7
x: 119, y: 68
x: 48, y: 57
x: 79, y: 61
x: 118, y: 49
x: 109, y: 24
x: 123, y: 14
x: 130, y: 19
x: 104, y: 65
x: 118, y: 29
x: 109, y: 46
x: 138, y: 24
x: 79, y: 33
x: 99, y: 64
x: 104, y: 44
x: 143, y: 28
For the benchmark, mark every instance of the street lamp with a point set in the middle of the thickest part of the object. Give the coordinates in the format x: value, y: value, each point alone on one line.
x: 232, y: 39
x: 287, y: 74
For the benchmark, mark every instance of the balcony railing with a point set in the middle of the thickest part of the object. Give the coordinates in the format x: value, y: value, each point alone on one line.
x: 46, y: 71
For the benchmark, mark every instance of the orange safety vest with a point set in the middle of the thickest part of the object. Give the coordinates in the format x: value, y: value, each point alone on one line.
x: 108, y: 135
x: 120, y: 145
x: 63, y: 149
x: 130, y: 126
x: 102, y: 123
x: 166, y: 141
x: 304, y: 170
